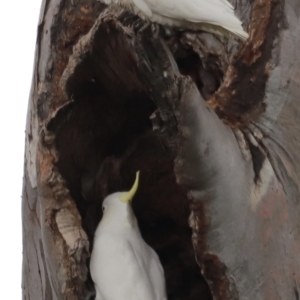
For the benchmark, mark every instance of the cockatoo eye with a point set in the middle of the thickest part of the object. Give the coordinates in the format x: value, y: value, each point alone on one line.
x: 103, y: 208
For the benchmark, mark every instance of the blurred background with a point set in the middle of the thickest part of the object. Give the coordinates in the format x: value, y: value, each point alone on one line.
x: 18, y: 26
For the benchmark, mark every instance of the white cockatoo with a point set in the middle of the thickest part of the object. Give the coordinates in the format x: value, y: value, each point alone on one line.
x: 122, y: 265
x: 215, y: 16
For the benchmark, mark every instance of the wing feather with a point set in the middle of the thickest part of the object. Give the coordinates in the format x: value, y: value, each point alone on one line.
x: 120, y: 269
x: 157, y: 276
x: 143, y: 7
x: 215, y: 12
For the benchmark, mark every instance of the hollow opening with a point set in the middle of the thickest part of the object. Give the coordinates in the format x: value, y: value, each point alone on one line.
x: 103, y: 137
x: 207, y: 77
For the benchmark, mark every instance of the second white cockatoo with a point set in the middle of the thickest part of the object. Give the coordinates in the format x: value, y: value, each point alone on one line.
x: 215, y: 16
x: 122, y: 265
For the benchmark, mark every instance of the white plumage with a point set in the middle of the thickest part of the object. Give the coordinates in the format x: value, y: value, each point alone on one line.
x: 122, y: 265
x: 208, y: 15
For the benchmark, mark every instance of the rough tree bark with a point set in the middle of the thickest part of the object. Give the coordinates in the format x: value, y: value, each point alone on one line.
x: 217, y: 144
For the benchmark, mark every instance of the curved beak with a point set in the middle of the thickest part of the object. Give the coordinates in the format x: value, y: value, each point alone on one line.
x: 126, y: 198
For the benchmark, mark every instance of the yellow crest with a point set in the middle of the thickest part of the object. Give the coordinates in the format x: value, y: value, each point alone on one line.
x: 126, y: 198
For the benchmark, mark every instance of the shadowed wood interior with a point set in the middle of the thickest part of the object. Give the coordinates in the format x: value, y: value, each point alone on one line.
x: 103, y: 137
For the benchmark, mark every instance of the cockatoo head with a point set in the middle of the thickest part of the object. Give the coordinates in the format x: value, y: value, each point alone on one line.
x: 118, y: 206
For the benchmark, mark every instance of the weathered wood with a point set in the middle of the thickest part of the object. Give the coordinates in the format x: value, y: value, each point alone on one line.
x: 54, y: 245
x: 219, y: 179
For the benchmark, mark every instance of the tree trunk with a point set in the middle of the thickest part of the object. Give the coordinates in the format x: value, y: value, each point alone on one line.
x: 216, y: 141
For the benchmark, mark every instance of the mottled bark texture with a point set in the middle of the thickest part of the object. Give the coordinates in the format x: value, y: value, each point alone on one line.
x: 217, y: 144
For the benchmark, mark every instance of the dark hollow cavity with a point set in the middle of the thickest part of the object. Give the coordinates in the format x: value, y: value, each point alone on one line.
x: 103, y: 137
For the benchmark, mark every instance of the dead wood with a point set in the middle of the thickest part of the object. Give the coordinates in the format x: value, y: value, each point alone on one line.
x: 216, y: 143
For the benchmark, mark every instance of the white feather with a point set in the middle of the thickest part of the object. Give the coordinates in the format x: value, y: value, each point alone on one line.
x: 143, y: 7
x: 122, y: 265
x: 191, y: 14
